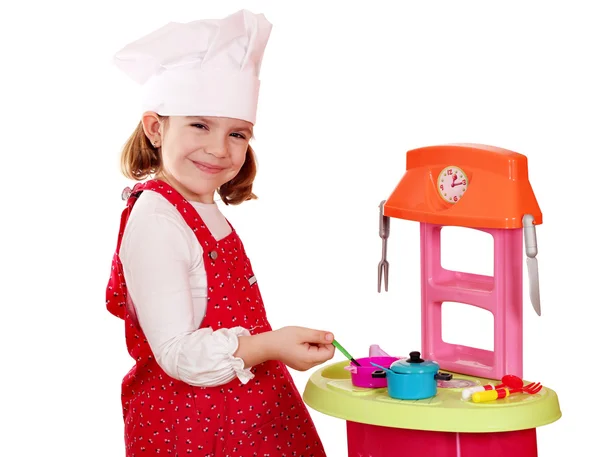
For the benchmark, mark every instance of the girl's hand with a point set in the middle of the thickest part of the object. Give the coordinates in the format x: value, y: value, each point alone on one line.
x: 302, y: 348
x: 299, y: 348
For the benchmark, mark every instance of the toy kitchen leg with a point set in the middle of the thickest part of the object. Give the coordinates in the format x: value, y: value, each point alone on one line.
x: 377, y: 441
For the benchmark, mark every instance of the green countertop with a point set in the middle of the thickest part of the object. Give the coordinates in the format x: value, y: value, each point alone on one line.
x: 330, y: 391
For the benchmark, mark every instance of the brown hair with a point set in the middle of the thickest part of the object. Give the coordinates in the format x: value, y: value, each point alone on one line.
x: 140, y: 159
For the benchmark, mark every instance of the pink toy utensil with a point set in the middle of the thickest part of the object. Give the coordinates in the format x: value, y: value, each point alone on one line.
x: 376, y: 351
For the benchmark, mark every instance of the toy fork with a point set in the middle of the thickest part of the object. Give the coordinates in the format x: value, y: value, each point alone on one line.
x: 489, y: 395
x: 383, y: 268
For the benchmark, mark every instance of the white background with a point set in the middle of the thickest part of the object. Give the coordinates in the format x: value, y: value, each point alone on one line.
x: 348, y: 88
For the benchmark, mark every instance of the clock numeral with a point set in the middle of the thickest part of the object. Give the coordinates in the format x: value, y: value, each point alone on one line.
x: 449, y: 172
x: 464, y: 182
x: 455, y: 198
x: 442, y: 186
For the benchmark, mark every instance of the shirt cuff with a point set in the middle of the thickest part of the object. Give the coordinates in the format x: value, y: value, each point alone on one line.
x: 243, y: 374
x: 205, y: 357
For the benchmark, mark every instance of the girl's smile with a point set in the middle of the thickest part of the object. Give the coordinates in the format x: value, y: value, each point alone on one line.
x: 208, y: 168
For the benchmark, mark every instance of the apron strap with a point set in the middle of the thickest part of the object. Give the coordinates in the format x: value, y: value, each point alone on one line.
x: 116, y: 290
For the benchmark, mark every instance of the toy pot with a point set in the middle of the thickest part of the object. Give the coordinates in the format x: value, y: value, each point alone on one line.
x: 413, y: 378
x: 368, y: 375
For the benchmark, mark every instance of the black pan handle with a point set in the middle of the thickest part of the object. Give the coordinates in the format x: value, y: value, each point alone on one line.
x: 378, y: 374
x: 443, y: 376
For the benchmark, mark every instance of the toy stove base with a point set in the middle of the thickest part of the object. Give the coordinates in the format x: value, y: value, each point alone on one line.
x: 440, y: 426
x: 366, y: 440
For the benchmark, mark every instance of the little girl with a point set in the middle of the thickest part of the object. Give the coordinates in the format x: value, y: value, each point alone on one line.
x: 210, y: 376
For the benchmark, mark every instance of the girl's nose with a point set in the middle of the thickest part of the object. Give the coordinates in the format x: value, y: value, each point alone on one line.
x: 216, y: 147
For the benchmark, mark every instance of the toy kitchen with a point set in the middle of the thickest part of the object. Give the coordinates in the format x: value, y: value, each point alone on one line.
x: 451, y: 400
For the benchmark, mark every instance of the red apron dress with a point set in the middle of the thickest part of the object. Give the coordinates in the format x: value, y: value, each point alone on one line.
x: 265, y: 417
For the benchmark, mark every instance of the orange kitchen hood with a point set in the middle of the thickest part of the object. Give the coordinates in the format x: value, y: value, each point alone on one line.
x: 468, y: 185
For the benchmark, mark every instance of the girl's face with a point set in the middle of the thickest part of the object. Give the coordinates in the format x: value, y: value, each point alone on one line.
x: 199, y: 154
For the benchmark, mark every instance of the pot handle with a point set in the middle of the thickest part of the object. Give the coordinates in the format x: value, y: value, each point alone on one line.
x: 378, y: 374
x: 443, y: 376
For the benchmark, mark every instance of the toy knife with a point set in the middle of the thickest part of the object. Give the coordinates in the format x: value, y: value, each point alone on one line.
x: 532, y: 264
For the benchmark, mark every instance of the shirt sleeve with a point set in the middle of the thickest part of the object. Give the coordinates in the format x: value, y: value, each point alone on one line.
x: 156, y: 257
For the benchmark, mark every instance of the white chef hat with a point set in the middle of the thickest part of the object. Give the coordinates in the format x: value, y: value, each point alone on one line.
x: 201, y: 68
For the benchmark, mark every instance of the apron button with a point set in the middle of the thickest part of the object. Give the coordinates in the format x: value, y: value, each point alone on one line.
x: 126, y: 193
x: 213, y: 255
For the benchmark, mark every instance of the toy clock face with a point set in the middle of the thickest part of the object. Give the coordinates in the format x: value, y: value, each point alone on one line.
x: 452, y: 183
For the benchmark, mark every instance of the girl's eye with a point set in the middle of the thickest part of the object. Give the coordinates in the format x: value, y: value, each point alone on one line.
x: 238, y: 135
x: 200, y: 126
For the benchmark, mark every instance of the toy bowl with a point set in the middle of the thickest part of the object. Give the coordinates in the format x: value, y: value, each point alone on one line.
x: 363, y: 376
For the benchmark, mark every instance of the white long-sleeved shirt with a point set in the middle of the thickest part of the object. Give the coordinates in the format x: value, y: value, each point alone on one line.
x: 166, y: 280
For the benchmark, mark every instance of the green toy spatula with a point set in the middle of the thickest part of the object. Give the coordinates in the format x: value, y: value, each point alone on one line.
x: 346, y: 353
